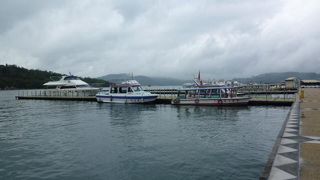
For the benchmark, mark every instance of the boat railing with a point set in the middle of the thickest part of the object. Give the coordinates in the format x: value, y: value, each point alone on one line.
x: 167, y: 96
x: 273, y: 97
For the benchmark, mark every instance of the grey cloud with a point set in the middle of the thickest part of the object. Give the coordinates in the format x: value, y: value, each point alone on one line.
x: 223, y: 39
x: 13, y: 11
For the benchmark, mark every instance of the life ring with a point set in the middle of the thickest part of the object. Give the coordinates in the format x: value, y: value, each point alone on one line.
x: 219, y: 102
x: 176, y: 101
x: 196, y: 101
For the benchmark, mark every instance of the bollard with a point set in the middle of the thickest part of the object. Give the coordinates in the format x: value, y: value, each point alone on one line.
x: 301, y: 94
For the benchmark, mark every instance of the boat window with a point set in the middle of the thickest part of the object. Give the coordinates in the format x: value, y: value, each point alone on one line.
x: 105, y: 90
x: 129, y: 89
x: 114, y: 90
x: 67, y: 87
x: 122, y: 90
x: 137, y: 88
x: 71, y: 78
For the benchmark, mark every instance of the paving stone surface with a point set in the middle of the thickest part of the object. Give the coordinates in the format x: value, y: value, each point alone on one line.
x: 298, y: 152
x: 310, y: 128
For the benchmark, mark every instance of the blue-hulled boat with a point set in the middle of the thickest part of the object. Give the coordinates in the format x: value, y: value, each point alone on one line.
x: 126, y: 92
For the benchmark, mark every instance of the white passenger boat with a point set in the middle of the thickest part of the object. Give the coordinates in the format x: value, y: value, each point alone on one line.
x: 211, y: 96
x: 126, y: 92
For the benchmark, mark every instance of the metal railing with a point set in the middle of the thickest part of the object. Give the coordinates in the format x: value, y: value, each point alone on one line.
x: 273, y: 97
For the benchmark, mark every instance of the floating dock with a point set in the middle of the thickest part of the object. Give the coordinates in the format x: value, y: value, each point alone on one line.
x: 55, y: 94
x: 84, y: 98
x: 296, y: 153
x: 165, y: 96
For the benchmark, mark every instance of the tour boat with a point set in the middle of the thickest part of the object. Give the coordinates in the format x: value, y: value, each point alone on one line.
x: 126, y: 92
x: 212, y: 96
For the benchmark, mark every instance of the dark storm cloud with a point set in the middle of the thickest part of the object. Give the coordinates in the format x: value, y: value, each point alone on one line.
x: 162, y: 38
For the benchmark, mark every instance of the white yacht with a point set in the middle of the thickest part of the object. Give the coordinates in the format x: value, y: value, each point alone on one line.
x: 70, y: 86
x: 69, y: 82
x: 126, y: 92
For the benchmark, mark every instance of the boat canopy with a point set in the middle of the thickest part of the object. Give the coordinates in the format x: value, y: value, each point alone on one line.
x: 130, y: 83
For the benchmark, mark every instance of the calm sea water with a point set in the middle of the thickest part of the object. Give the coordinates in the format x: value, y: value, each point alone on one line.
x: 85, y: 140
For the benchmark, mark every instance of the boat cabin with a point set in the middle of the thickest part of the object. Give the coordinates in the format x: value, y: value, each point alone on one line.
x: 123, y: 89
x: 126, y: 92
x: 212, y: 92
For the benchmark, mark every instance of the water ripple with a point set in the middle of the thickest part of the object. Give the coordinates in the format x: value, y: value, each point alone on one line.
x: 87, y: 140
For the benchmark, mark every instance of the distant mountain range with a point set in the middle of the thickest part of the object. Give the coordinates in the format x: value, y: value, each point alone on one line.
x: 15, y: 77
x: 277, y: 77
x: 262, y: 78
x: 143, y: 80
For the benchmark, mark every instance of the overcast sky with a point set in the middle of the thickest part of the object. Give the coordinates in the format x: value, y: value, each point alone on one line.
x: 221, y: 38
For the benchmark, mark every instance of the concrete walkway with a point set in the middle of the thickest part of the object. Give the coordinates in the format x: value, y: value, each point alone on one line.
x: 310, y: 127
x: 296, y: 153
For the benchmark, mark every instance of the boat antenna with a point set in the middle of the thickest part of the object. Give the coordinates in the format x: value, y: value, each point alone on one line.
x: 199, y: 79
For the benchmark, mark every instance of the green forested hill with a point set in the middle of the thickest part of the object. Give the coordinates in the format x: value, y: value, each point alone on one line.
x: 14, y: 77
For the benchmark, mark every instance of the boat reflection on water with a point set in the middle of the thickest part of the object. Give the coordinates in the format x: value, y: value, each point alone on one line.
x: 126, y: 114
x: 184, y: 112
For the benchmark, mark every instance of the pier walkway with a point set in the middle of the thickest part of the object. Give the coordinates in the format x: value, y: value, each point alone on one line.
x: 296, y: 153
x: 310, y: 127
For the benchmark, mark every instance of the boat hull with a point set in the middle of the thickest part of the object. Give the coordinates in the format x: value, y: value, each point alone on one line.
x: 238, y: 101
x: 127, y: 99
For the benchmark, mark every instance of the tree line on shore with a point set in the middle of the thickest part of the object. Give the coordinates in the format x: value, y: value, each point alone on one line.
x: 15, y: 77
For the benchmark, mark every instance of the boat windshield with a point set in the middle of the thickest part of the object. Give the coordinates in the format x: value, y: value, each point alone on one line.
x: 71, y: 78
x: 137, y: 88
x: 105, y: 90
